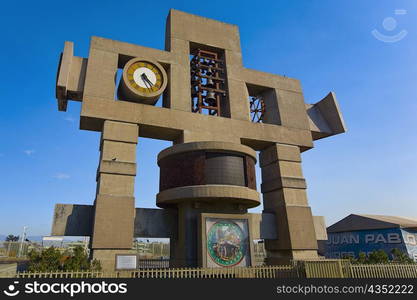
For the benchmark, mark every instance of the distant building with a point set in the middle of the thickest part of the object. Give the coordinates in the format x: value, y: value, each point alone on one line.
x: 152, y: 250
x: 367, y: 233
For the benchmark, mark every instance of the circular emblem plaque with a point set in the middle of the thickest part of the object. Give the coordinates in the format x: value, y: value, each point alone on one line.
x: 225, y: 243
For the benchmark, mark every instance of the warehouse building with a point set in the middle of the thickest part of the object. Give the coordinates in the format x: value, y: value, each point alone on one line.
x: 367, y: 233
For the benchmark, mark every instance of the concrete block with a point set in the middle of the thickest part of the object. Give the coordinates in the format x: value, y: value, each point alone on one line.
x: 114, y: 217
x: 238, y: 100
x: 302, y: 234
x: 283, y: 182
x: 295, y: 230
x: 118, y: 151
x: 122, y: 132
x: 101, y: 72
x: 117, y: 185
x: 292, y: 110
x: 203, y: 31
x: 285, y: 196
x: 279, y: 152
x: 320, y: 228
x: 271, y: 115
x: 282, y: 169
x: 117, y: 167
x: 72, y: 220
x: 128, y: 51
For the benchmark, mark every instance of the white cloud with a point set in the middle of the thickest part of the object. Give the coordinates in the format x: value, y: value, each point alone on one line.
x: 29, y: 152
x: 61, y: 176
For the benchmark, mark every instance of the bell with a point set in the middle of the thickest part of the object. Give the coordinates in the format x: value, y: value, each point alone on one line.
x: 209, y: 72
x: 194, y: 80
x: 211, y: 99
x: 210, y: 83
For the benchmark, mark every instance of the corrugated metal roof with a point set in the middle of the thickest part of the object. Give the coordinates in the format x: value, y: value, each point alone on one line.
x: 371, y: 222
x: 401, y: 221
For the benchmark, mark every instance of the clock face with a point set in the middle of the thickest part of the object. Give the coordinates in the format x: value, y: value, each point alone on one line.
x: 143, y: 81
x: 145, y: 77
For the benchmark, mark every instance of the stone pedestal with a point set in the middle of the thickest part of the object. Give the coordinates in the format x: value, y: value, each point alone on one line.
x: 284, y: 194
x: 114, y: 205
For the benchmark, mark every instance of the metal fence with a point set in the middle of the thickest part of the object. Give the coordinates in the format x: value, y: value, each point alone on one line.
x: 300, y: 269
x: 330, y: 268
x: 237, y: 272
x: 15, y: 249
x: 153, y: 263
x: 383, y: 271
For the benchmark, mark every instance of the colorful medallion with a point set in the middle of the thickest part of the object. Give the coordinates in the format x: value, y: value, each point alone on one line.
x: 226, y: 243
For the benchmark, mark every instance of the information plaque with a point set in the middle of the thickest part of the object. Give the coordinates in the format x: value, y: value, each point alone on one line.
x: 126, y: 262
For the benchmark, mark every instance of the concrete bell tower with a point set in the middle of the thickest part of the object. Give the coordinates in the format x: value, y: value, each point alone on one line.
x: 218, y: 115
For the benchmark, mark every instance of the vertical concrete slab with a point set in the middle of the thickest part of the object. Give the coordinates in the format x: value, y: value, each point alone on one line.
x: 100, y: 74
x: 114, y: 207
x: 288, y: 201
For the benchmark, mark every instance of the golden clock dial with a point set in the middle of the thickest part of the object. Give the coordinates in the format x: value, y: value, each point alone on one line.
x: 143, y: 81
x: 144, y: 77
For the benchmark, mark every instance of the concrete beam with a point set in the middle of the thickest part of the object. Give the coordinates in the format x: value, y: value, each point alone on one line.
x: 169, y: 124
x: 72, y: 220
x: 75, y: 220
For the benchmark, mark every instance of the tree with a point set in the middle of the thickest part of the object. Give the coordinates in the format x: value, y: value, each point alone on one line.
x: 12, y: 238
x: 78, y: 261
x: 51, y: 259
x: 362, y: 258
x: 47, y: 260
x: 378, y: 257
x: 401, y: 257
x: 381, y: 257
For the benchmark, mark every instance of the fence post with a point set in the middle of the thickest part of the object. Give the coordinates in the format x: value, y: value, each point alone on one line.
x: 339, y: 263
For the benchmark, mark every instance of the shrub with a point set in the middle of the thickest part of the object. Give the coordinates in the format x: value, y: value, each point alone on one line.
x: 380, y: 257
x: 51, y: 259
x: 401, y: 257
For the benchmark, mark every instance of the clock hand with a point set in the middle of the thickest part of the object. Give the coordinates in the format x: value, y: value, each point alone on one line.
x: 150, y: 82
x: 146, y: 80
x: 143, y: 76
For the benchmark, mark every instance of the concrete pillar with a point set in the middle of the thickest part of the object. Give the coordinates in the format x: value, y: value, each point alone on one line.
x: 114, y: 205
x: 185, y: 247
x: 284, y: 194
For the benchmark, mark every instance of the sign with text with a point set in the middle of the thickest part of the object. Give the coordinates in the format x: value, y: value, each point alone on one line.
x: 350, y: 244
x: 126, y: 262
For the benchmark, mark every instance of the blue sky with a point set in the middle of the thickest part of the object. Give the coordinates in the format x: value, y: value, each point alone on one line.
x: 45, y: 159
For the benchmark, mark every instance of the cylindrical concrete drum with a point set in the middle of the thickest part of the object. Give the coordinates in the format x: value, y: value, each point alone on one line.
x: 214, y: 172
